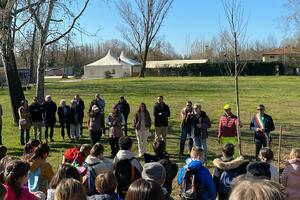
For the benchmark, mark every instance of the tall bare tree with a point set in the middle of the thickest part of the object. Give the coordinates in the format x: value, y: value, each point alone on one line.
x: 143, y: 21
x: 8, y: 12
x: 237, y: 27
x: 49, y: 29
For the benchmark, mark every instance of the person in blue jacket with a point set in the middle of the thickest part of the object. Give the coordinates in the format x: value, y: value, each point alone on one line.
x: 262, y: 125
x: 195, y: 162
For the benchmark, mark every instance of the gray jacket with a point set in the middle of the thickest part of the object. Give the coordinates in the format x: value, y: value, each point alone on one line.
x: 103, y: 165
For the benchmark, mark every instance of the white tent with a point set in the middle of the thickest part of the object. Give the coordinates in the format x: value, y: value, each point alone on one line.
x: 135, y: 66
x: 118, y: 67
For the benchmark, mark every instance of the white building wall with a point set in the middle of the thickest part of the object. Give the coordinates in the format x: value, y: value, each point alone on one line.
x: 270, y: 58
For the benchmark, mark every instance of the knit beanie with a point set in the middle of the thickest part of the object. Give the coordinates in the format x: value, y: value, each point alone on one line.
x: 259, y: 169
x: 154, y: 171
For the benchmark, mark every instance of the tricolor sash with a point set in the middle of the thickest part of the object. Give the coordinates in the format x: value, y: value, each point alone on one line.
x: 260, y: 121
x: 261, y: 124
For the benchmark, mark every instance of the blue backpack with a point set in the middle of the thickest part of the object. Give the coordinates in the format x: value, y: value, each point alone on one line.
x: 191, y: 187
x: 91, y: 177
x: 35, y: 180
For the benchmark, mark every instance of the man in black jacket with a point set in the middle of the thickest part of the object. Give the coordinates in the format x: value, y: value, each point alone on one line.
x: 63, y: 113
x: 124, y: 108
x: 80, y: 111
x: 161, y: 113
x: 49, y: 117
x: 36, y: 110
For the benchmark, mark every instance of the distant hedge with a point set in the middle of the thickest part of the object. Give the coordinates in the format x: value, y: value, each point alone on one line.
x: 219, y: 69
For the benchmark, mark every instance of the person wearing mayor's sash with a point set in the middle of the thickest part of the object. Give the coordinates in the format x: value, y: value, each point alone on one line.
x: 262, y: 125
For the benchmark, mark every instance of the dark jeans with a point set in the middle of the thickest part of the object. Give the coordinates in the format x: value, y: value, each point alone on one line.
x: 259, y: 144
x: 0, y: 134
x: 125, y: 125
x: 81, y: 126
x: 258, y: 147
x: 114, y: 146
x: 63, y: 126
x: 184, y: 132
x: 95, y: 136
x: 22, y: 131
x: 47, y: 126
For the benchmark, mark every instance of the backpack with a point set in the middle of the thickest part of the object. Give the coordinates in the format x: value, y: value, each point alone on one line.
x: 35, y: 180
x: 91, y: 177
x: 191, y: 186
x: 171, y: 169
x: 125, y: 174
x: 226, y: 180
x: 73, y: 156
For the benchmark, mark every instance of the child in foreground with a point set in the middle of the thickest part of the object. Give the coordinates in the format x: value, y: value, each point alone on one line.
x: 205, y: 187
x: 106, y: 185
x: 290, y: 177
x: 16, y: 176
x: 267, y: 155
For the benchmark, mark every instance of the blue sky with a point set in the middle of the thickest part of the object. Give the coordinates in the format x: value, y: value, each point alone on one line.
x: 193, y: 19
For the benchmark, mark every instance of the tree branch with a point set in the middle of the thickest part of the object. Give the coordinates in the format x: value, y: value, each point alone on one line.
x: 34, y: 15
x: 26, y: 7
x: 71, y: 26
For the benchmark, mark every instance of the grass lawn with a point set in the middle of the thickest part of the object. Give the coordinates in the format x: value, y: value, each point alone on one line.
x: 280, y: 95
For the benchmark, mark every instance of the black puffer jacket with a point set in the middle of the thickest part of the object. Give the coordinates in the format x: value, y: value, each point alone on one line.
x: 161, y: 114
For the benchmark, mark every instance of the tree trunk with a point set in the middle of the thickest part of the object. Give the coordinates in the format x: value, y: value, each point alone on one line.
x: 143, y: 68
x: 236, y: 74
x: 13, y: 82
x: 144, y: 61
x: 40, y: 88
x: 9, y: 61
x: 31, y: 58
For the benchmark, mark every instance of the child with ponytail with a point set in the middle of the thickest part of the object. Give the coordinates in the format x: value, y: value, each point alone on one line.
x: 41, y: 171
x: 16, y: 176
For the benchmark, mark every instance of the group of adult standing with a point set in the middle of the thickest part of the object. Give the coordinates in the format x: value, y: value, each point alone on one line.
x: 71, y: 117
x: 44, y: 114
x: 195, y: 122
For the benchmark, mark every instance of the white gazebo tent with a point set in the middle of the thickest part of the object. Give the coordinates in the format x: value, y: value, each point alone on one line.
x: 120, y: 67
x: 135, y: 66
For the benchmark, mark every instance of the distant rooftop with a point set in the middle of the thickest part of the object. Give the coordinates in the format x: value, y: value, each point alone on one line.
x: 282, y: 51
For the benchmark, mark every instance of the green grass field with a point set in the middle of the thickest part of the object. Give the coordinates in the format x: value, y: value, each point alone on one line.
x: 280, y: 95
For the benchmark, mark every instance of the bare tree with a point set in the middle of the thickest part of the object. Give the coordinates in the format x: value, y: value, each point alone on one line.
x: 237, y: 26
x: 50, y: 32
x: 143, y: 21
x: 8, y: 12
x: 291, y: 22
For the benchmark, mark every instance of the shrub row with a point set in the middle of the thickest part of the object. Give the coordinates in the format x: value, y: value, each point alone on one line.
x: 219, y: 69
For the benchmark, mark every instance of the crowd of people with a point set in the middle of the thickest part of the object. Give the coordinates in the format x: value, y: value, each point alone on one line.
x: 194, y: 122
x: 86, y: 173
